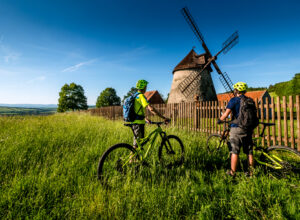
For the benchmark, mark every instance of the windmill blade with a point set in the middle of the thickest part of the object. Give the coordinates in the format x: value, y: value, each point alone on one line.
x: 188, y: 85
x: 189, y: 19
x: 230, y: 42
x: 227, y: 83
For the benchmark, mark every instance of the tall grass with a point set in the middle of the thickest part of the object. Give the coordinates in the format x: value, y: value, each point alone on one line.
x: 48, y: 170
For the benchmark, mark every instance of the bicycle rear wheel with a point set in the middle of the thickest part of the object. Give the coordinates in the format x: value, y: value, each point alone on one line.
x: 285, y: 160
x: 171, y: 151
x: 116, y: 163
x: 215, y: 143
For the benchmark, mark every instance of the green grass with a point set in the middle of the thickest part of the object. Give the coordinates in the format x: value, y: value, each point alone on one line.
x: 48, y: 170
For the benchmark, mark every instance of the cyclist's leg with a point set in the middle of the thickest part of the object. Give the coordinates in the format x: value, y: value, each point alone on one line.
x: 138, y: 132
x: 235, y: 143
x: 248, y: 149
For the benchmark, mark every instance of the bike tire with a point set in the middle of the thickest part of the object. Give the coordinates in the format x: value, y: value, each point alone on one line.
x: 171, y: 152
x: 289, y: 159
x: 114, y: 163
x: 215, y: 143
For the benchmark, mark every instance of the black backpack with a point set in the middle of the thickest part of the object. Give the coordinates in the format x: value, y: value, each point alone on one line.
x: 247, y: 118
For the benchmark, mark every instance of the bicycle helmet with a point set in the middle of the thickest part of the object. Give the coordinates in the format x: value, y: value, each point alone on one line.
x: 241, y: 86
x: 141, y: 84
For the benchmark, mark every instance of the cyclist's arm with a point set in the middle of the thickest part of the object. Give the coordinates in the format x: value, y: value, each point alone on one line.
x: 226, y: 114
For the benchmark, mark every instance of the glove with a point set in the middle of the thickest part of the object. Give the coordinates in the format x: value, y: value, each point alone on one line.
x: 219, y: 121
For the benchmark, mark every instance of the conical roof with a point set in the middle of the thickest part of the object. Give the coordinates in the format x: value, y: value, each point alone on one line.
x: 192, y: 61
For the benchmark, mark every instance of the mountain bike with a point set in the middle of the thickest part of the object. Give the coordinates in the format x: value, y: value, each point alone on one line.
x: 281, y: 159
x: 122, y: 159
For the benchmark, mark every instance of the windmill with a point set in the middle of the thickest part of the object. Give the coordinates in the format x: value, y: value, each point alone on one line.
x: 188, y: 85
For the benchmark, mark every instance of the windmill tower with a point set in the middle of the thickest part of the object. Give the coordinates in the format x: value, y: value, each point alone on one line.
x: 195, y: 83
x: 204, y: 88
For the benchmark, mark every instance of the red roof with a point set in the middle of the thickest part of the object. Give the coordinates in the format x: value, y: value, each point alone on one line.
x: 252, y: 94
x: 191, y: 61
x: 154, y: 97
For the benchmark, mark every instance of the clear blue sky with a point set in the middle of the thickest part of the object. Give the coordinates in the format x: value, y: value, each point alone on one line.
x: 97, y: 44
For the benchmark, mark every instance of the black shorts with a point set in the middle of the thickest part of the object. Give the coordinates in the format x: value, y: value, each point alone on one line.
x: 239, y: 137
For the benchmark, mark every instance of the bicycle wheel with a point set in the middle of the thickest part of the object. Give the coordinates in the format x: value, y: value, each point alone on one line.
x: 215, y: 143
x: 284, y: 159
x: 116, y: 162
x: 171, y: 151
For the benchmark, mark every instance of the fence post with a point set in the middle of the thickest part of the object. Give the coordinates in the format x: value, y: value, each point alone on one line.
x: 291, y: 107
x: 298, y: 120
x: 279, y: 121
x: 267, y: 117
x: 285, y: 121
x: 273, y: 121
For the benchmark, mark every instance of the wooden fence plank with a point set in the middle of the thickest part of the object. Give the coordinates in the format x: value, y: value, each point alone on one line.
x: 298, y: 120
x: 273, y: 121
x: 279, y: 121
x: 257, y: 107
x: 291, y: 108
x: 285, y: 121
x: 267, y: 119
x: 262, y: 116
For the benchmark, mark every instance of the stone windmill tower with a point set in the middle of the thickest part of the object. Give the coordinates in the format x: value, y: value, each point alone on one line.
x: 204, y: 89
x: 192, y: 75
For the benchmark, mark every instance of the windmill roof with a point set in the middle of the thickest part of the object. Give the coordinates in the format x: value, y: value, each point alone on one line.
x: 252, y: 94
x: 191, y: 61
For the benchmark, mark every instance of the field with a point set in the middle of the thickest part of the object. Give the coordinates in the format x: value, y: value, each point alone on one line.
x: 48, y: 168
x: 9, y: 111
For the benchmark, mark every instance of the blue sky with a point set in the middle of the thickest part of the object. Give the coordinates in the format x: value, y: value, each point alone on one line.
x: 97, y: 44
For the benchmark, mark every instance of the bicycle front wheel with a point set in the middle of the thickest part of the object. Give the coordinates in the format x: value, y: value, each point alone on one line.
x: 171, y: 151
x: 284, y: 159
x: 117, y: 162
x: 215, y: 143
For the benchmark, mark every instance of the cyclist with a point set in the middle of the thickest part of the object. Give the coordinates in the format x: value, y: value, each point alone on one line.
x: 140, y: 105
x: 238, y: 136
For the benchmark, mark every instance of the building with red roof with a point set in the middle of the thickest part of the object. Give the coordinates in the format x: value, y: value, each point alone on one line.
x: 154, y: 97
x: 259, y: 95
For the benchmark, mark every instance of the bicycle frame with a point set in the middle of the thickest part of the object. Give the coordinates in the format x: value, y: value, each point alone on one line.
x: 143, y: 141
x: 257, y: 147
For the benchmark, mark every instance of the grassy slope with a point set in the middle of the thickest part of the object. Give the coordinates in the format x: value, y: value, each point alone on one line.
x: 48, y: 170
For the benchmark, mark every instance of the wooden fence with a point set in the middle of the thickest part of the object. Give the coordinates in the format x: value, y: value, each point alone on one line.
x: 202, y: 117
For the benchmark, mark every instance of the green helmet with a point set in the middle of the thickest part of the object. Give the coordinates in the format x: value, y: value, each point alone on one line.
x: 141, y: 84
x: 241, y: 86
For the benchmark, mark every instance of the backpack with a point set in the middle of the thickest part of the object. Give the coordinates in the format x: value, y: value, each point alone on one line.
x: 247, y: 118
x: 129, y: 114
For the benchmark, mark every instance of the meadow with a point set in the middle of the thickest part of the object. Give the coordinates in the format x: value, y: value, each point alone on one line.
x: 48, y: 170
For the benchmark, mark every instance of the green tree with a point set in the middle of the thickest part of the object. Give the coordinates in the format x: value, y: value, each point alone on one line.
x: 108, y: 97
x: 71, y: 97
x: 131, y: 92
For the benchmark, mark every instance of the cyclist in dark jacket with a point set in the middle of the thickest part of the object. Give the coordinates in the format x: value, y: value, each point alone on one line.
x: 238, y: 136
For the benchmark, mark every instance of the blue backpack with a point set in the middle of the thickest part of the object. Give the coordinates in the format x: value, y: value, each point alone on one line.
x: 129, y: 114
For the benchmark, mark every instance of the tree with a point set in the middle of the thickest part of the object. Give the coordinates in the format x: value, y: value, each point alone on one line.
x: 108, y: 97
x: 71, y: 97
x: 130, y: 93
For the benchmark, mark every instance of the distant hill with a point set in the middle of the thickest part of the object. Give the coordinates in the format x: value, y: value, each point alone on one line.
x: 288, y: 88
x: 30, y: 105
x: 4, y: 110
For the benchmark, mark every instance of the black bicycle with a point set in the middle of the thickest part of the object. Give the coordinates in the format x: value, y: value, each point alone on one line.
x: 281, y: 159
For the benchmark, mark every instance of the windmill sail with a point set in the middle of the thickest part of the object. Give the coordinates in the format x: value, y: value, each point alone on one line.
x: 189, y: 84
